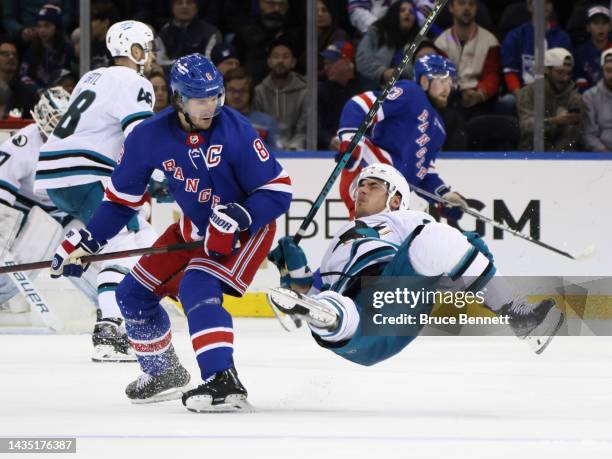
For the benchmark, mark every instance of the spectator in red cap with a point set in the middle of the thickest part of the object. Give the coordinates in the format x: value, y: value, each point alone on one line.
x: 49, y: 52
x: 338, y: 87
x: 587, y: 71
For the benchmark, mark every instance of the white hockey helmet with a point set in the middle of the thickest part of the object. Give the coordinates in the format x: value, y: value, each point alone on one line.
x: 121, y: 36
x: 396, y: 183
x: 50, y: 108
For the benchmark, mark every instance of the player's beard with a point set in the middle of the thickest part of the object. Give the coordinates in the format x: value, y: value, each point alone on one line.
x: 439, y: 103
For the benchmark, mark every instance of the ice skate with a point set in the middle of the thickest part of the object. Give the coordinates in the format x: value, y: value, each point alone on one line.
x: 170, y: 385
x: 110, y: 341
x: 223, y: 392
x: 301, y: 307
x: 536, y: 323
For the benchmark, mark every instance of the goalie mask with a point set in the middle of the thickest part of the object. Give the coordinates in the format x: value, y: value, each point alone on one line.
x: 51, y: 106
x: 396, y: 183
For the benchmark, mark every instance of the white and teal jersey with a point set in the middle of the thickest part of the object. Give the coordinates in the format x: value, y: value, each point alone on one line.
x: 18, y: 158
x: 105, y: 106
x: 366, y: 242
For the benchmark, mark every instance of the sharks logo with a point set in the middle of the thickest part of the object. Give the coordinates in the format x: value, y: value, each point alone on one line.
x: 359, y: 231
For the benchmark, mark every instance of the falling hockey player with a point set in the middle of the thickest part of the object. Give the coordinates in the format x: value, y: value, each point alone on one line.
x: 387, y: 239
x: 406, y: 132
x: 231, y: 190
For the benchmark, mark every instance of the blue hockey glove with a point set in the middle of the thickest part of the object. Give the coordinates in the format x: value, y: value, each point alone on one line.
x: 355, y: 158
x: 291, y: 261
x: 224, y: 227
x: 76, y: 244
x: 160, y: 191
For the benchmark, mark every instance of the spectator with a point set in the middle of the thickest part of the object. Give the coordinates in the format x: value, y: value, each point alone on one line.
x: 160, y: 88
x: 103, y: 14
x: 19, y: 96
x: 20, y: 17
x: 66, y: 79
x: 49, y: 52
x: 518, y: 53
x: 588, y: 55
x: 186, y: 34
x: 381, y: 48
x: 255, y: 39
x: 5, y: 97
x: 364, y: 13
x: 563, y: 106
x: 476, y: 53
x: 597, y: 121
x: 328, y: 31
x: 239, y: 94
x: 225, y: 57
x: 338, y: 87
x: 282, y: 95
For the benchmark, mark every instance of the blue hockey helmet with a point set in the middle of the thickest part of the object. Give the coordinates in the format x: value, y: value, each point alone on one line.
x: 196, y: 77
x: 434, y: 66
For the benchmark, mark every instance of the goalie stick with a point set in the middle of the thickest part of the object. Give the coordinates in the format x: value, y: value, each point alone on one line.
x: 407, y: 57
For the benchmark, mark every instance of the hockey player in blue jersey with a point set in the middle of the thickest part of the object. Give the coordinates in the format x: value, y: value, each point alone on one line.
x: 231, y: 190
x: 389, y: 241
x: 406, y: 132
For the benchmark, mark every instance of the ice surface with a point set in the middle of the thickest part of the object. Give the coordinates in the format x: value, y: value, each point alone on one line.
x: 440, y: 398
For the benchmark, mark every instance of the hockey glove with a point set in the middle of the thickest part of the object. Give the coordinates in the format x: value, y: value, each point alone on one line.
x: 354, y: 160
x: 224, y: 227
x: 159, y: 191
x: 291, y: 261
x: 455, y: 212
x: 76, y: 244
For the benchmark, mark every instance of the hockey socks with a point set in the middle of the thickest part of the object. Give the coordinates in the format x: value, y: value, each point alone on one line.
x: 210, y: 325
x: 148, y: 326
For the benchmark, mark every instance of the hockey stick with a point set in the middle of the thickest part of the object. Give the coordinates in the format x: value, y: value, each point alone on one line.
x: 492, y: 222
x: 407, y: 57
x: 34, y: 298
x: 107, y: 256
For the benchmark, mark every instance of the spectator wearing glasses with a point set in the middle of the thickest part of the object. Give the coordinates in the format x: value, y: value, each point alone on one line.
x: 239, y: 94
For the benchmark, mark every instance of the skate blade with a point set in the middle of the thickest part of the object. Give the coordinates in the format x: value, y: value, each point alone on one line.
x: 302, y: 307
x: 287, y: 322
x: 170, y: 394
x: 543, y: 334
x: 106, y: 353
x: 233, y: 404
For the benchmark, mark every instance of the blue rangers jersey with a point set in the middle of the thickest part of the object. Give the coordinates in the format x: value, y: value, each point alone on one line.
x: 226, y: 163
x: 518, y: 50
x: 406, y: 132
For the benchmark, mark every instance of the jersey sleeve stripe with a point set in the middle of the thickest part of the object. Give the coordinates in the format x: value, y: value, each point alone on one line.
x: 130, y: 200
x: 75, y: 154
x: 125, y: 122
x: 12, y: 189
x: 281, y: 183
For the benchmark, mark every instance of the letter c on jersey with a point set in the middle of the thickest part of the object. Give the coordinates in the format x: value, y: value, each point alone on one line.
x: 213, y: 155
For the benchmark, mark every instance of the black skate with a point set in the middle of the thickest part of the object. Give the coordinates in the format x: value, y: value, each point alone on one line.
x: 170, y: 385
x: 110, y: 341
x: 536, y: 323
x: 223, y: 392
x: 301, y: 307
